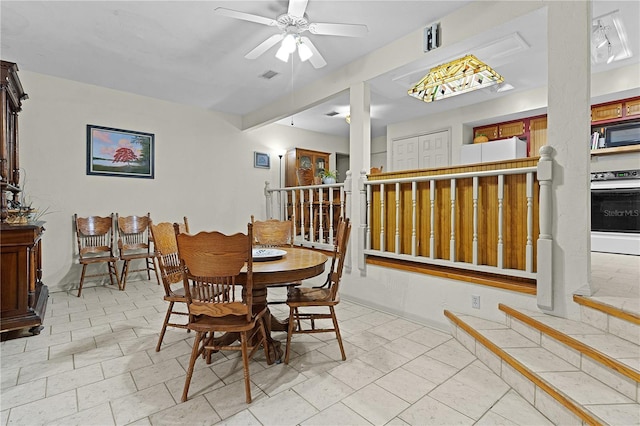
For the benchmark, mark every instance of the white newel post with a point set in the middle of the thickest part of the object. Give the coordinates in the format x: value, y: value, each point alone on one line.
x: 268, y: 199
x: 362, y: 230
x: 545, y: 240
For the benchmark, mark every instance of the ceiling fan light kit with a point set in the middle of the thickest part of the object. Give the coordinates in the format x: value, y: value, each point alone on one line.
x: 292, y: 24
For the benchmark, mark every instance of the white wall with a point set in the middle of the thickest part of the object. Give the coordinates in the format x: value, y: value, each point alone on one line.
x: 204, y: 164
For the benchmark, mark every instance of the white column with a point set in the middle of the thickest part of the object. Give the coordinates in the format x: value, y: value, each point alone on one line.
x: 569, y: 100
x: 359, y: 158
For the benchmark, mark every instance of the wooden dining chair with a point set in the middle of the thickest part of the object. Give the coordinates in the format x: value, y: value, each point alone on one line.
x: 274, y: 233
x: 134, y: 243
x: 217, y: 300
x: 94, y: 235
x: 166, y: 249
x: 304, y: 302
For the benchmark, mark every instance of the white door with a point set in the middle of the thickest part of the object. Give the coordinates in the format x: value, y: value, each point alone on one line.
x: 434, y: 150
x: 405, y: 153
x: 421, y: 152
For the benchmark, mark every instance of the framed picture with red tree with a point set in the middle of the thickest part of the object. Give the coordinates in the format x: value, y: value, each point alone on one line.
x: 117, y: 152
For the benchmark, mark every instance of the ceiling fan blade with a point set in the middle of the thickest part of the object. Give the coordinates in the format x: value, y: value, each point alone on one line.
x: 245, y: 16
x: 264, y: 46
x: 297, y: 7
x: 316, y: 59
x: 347, y: 30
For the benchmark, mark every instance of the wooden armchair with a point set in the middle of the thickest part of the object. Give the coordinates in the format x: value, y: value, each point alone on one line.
x: 166, y: 249
x: 94, y: 235
x: 217, y: 302
x: 134, y: 243
x: 304, y: 301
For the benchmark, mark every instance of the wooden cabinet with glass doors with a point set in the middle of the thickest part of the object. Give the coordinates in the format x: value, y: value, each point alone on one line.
x: 298, y: 158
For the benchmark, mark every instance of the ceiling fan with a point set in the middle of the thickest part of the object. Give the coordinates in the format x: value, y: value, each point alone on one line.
x: 292, y: 24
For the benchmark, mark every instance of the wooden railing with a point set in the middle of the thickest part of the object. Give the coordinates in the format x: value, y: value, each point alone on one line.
x: 481, y: 217
x: 492, y: 218
x: 314, y: 210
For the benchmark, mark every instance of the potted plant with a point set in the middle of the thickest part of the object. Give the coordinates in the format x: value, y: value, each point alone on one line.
x: 329, y: 176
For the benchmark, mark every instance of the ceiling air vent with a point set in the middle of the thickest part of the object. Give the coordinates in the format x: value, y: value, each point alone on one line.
x: 332, y: 114
x: 269, y: 75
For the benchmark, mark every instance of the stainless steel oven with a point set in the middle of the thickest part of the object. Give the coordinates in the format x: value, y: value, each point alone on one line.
x: 615, y: 212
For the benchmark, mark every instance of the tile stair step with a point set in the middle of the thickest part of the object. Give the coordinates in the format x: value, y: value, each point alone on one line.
x: 607, y: 357
x: 557, y: 388
x: 603, y: 313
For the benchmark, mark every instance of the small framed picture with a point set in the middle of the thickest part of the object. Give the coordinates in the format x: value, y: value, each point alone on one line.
x: 261, y: 160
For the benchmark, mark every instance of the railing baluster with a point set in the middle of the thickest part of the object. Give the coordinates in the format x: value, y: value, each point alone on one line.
x: 293, y: 209
x: 397, y: 218
x: 452, y: 239
x: 320, y: 215
x: 414, y: 218
x: 475, y: 220
x: 382, y: 216
x: 302, y: 215
x: 432, y: 212
x: 529, y: 247
x: 368, y: 229
x: 312, y: 236
x: 500, y: 221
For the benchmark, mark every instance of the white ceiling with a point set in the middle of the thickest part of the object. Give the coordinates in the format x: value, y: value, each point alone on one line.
x: 182, y: 52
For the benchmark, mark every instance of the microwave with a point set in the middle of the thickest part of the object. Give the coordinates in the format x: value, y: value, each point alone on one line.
x: 622, y: 134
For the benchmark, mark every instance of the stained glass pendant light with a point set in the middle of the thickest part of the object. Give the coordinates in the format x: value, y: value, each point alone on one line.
x: 454, y: 78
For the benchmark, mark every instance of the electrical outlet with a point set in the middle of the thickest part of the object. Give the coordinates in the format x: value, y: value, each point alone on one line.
x: 475, y: 301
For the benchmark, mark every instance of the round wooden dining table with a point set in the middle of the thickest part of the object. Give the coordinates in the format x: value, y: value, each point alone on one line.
x: 296, y: 265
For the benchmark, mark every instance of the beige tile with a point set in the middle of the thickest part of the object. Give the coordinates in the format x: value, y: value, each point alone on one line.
x: 243, y: 418
x: 554, y: 411
x: 97, y: 355
x: 18, y: 360
x: 625, y: 330
x: 44, y: 411
x: 566, y: 353
x: 126, y: 363
x: 323, y: 390
x: 141, y: 404
x: 472, y: 391
x: 98, y: 415
x: 428, y: 411
x: 367, y: 341
x: 617, y: 414
x: 21, y: 394
x: 356, y: 373
x: 540, y: 359
x: 405, y: 385
x: 196, y: 411
x: 584, y: 389
x: 528, y: 332
x: 375, y: 404
x: 9, y: 378
x: 157, y: 373
x: 508, y: 338
x: 203, y: 381
x: 230, y: 399
x: 383, y: 359
x: 285, y: 408
x: 72, y: 348
x: 490, y: 359
x: 517, y: 381
x: 516, y: 410
x: 312, y: 363
x: 337, y: 415
x: 105, y: 390
x: 452, y: 353
x: 407, y: 348
x: 611, y: 378
x: 277, y: 379
x: 46, y: 369
x: 431, y: 369
x: 74, y: 379
x: 231, y: 370
x: 428, y: 336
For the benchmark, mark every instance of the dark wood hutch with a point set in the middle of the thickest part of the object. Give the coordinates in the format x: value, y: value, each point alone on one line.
x: 23, y: 296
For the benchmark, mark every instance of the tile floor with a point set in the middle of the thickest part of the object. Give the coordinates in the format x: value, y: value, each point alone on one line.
x: 95, y: 364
